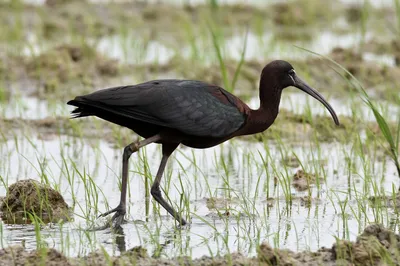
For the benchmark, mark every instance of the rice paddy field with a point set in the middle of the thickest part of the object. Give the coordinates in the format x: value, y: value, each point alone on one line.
x: 304, y: 192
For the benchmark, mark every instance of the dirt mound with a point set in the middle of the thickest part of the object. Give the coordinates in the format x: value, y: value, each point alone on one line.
x: 69, y: 63
x: 16, y: 255
x: 302, y: 180
x: 300, y: 13
x: 375, y: 246
x: 54, y: 3
x: 385, y: 201
x: 31, y: 197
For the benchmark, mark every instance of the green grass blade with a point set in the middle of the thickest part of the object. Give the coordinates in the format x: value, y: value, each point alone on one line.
x: 240, y: 64
x: 216, y: 44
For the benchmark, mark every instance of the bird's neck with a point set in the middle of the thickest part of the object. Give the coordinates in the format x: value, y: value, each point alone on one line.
x: 269, y: 100
x: 262, y: 118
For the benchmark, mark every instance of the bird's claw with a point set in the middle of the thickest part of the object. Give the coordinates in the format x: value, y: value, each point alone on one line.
x: 118, y: 209
x: 118, y: 217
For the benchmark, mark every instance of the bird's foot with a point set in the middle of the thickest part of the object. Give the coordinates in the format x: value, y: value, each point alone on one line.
x: 182, y: 225
x: 120, y: 209
x: 118, y: 218
x: 182, y: 222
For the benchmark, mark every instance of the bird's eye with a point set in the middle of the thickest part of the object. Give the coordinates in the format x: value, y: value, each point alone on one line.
x: 292, y: 74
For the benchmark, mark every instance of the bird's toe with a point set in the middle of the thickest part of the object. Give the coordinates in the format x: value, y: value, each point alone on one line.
x: 118, y: 219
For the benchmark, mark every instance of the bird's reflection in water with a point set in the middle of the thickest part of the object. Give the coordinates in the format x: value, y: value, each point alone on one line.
x: 118, y: 231
x: 171, y: 237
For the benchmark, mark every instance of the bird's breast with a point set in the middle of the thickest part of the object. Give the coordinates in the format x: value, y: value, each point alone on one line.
x: 203, y: 143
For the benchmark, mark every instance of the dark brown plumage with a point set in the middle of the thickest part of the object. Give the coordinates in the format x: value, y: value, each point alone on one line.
x: 189, y: 112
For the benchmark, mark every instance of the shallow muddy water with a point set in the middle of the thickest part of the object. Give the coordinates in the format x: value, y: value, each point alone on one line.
x: 296, y: 226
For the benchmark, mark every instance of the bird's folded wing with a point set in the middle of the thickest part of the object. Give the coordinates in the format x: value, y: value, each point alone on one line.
x: 188, y: 106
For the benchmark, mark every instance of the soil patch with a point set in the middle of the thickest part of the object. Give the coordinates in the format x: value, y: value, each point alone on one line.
x: 66, y: 63
x: 379, y: 79
x: 385, y: 201
x: 302, y: 12
x: 375, y: 246
x: 303, y: 181
x: 31, y: 197
x: 220, y: 203
x: 16, y: 255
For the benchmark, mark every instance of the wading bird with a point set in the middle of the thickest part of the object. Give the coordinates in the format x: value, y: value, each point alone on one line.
x: 193, y: 113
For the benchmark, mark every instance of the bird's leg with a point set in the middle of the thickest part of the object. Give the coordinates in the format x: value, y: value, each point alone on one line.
x: 155, y: 188
x: 120, y: 210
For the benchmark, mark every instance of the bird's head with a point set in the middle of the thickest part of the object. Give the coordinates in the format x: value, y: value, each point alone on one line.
x: 281, y: 74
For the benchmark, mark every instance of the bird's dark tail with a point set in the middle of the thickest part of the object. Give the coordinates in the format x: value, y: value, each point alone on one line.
x: 82, y: 109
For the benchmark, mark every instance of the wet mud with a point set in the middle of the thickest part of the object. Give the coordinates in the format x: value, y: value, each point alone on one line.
x: 377, y: 79
x: 303, y: 181
x: 67, y: 63
x: 385, y: 201
x: 302, y: 13
x: 375, y: 246
x: 28, y: 199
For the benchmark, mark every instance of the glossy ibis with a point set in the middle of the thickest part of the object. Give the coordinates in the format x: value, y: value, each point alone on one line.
x: 193, y: 113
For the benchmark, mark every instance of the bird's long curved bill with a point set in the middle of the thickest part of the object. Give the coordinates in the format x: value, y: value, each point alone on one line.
x: 307, y: 89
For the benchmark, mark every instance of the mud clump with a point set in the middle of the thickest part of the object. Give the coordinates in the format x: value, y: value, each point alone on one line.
x: 69, y: 63
x: 300, y: 13
x: 375, y: 246
x: 354, y: 13
x: 31, y: 197
x: 54, y: 3
x: 16, y: 255
x: 376, y: 77
x: 302, y: 180
x: 219, y: 203
x: 288, y: 15
x: 385, y: 201
x: 135, y: 256
x: 342, y: 55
